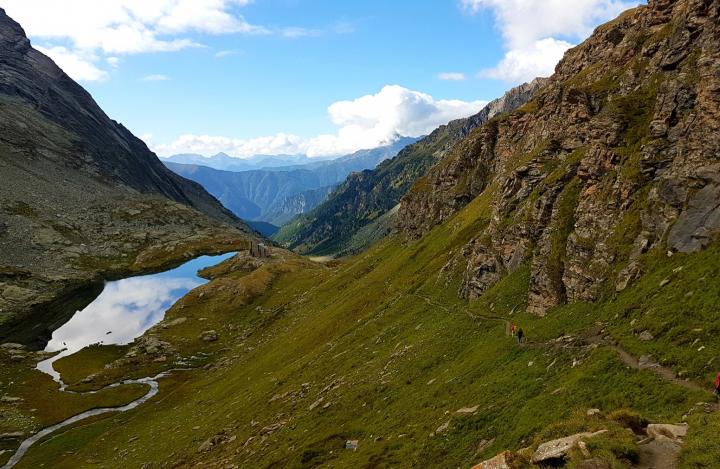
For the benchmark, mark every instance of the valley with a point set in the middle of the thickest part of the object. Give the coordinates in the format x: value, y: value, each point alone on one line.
x: 146, y: 320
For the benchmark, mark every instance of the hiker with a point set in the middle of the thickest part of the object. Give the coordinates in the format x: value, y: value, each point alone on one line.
x: 717, y: 386
x: 513, y: 329
x: 520, y: 335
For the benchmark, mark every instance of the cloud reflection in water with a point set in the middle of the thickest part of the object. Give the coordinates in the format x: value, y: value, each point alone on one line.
x: 126, y: 309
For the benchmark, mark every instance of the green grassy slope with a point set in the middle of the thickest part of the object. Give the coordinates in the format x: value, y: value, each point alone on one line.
x: 380, y: 349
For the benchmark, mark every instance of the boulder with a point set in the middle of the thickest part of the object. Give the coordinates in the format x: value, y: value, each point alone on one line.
x: 674, y: 432
x: 646, y: 336
x: 467, y: 410
x: 557, y: 449
x: 503, y: 460
x: 209, y: 336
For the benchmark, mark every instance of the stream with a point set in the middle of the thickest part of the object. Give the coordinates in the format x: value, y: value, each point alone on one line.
x: 121, y: 313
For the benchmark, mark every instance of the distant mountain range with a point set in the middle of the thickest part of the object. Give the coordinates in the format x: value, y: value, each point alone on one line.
x: 277, y: 194
x: 225, y: 162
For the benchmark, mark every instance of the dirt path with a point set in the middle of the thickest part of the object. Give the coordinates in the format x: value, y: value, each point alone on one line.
x: 628, y: 359
x: 655, y: 454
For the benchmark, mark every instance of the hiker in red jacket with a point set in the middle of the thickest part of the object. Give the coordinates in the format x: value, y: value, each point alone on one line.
x: 717, y: 386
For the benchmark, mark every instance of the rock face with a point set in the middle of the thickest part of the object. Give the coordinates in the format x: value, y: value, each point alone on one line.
x: 81, y: 198
x: 365, y: 197
x: 99, y: 146
x: 614, y: 156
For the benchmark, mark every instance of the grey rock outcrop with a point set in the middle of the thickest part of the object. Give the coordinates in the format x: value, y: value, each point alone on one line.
x: 615, y: 155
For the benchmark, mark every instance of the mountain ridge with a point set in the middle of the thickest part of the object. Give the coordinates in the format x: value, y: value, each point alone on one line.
x: 260, y: 194
x: 364, y: 197
x: 82, y: 198
x: 595, y: 170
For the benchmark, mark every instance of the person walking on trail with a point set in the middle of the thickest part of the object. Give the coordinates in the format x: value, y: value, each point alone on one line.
x: 513, y: 329
x: 717, y: 386
x: 520, y: 335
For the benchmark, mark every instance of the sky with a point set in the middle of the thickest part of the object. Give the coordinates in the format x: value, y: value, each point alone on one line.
x: 315, y: 77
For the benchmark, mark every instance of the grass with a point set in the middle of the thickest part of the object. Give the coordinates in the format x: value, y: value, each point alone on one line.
x: 385, y: 366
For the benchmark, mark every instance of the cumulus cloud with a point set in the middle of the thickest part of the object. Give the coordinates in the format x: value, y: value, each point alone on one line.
x: 451, y: 76
x: 365, y: 122
x: 90, y: 28
x: 537, y: 32
x: 527, y: 63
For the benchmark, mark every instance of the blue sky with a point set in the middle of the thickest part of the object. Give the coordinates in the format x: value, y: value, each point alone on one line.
x: 288, y: 76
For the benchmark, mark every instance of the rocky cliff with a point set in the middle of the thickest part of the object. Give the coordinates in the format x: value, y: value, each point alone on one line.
x: 366, y: 196
x: 81, y: 198
x: 615, y: 156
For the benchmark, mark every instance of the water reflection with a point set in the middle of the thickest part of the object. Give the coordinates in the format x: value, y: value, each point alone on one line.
x: 126, y: 309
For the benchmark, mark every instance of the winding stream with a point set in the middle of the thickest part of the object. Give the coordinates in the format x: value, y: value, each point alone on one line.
x: 122, y: 312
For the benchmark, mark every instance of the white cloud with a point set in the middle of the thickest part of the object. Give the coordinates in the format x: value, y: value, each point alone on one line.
x: 522, y: 65
x: 451, y: 76
x: 79, y: 32
x: 157, y: 77
x: 535, y: 31
x: 77, y: 64
x: 365, y: 122
x: 114, y: 62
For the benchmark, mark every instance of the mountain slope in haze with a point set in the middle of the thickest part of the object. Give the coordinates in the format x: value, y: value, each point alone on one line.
x: 264, y: 195
x: 225, y: 162
x: 376, y: 361
x: 81, y: 197
x: 366, y: 196
x: 285, y: 210
x: 615, y: 157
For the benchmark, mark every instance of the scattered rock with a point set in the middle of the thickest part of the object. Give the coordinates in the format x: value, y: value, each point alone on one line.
x: 664, y: 282
x: 316, y: 403
x: 209, y: 336
x: 592, y: 412
x: 173, y: 323
x: 646, y: 336
x: 557, y: 449
x: 484, y: 444
x: 12, y: 346
x: 584, y: 449
x: 443, y: 428
x: 467, y: 410
x: 501, y: 461
x: 150, y: 345
x: 272, y: 428
x: 674, y: 432
x: 11, y: 436
x: 10, y: 400
x: 647, y: 361
x: 212, y: 442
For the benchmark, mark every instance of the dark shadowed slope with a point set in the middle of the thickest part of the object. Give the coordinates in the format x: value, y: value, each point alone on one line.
x: 81, y: 198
